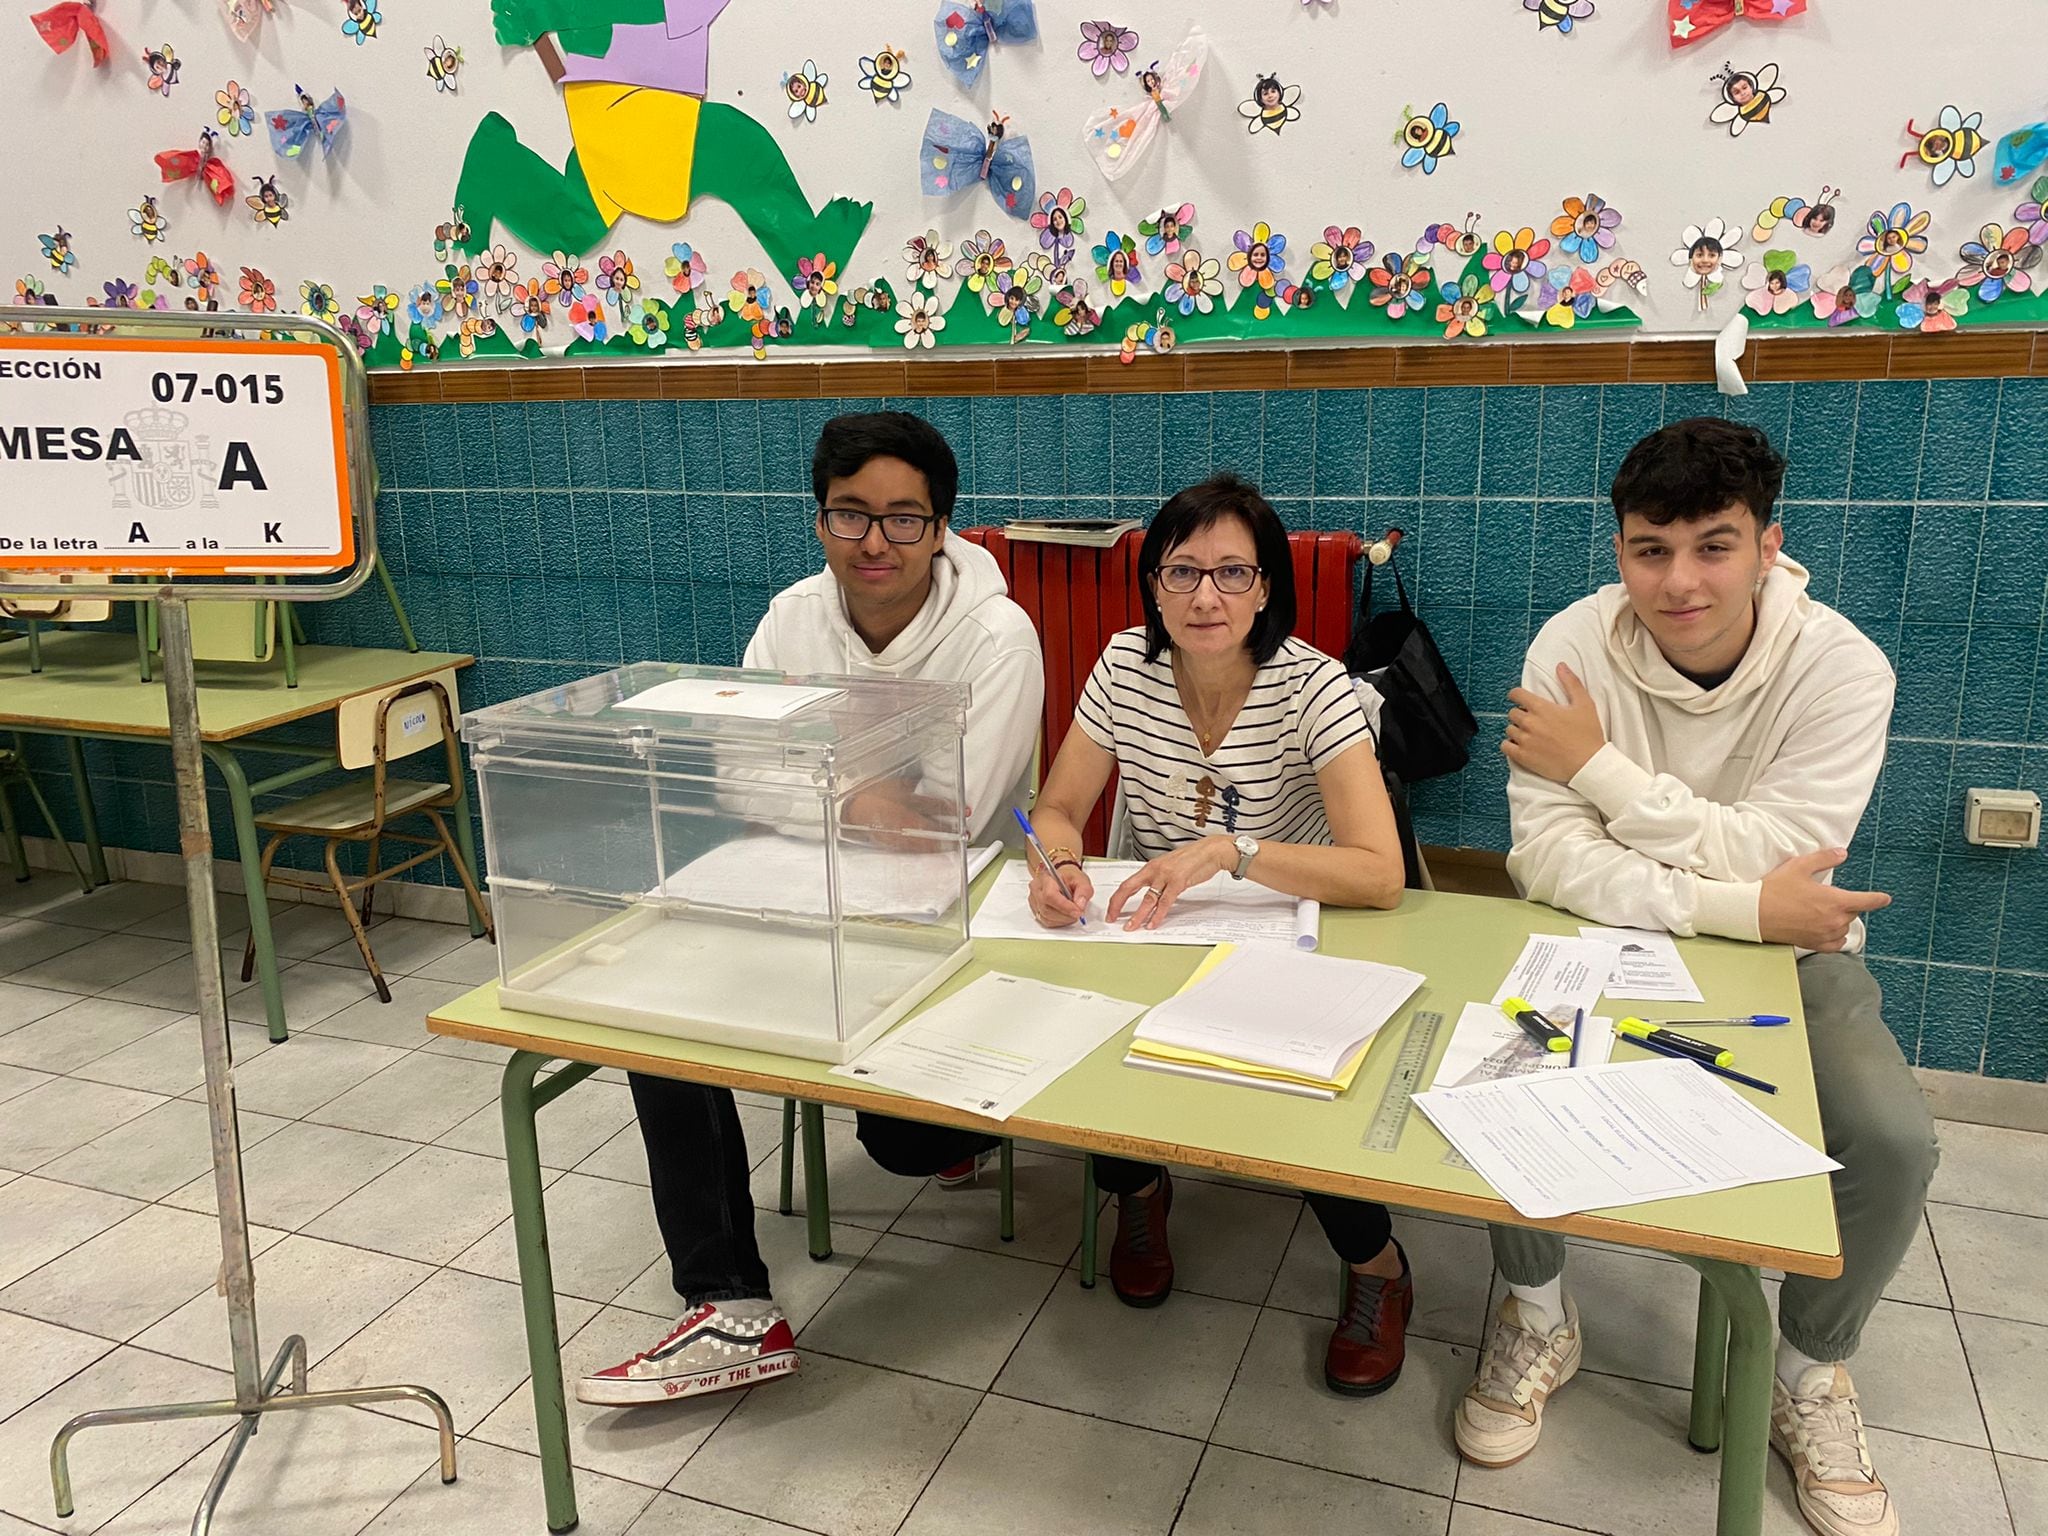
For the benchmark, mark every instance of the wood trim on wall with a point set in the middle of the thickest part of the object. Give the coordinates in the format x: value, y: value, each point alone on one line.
x: 1767, y: 359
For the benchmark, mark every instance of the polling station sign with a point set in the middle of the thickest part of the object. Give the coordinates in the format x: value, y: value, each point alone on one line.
x: 123, y: 454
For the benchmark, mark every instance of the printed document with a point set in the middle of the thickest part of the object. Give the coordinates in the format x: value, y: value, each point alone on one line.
x: 993, y: 1045
x: 1616, y: 1135
x: 1557, y: 975
x: 1651, y: 968
x: 722, y: 696
x: 1222, y: 911
x: 787, y: 874
x: 1488, y: 1044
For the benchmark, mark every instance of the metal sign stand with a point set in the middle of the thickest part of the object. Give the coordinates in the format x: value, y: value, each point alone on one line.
x: 255, y: 1394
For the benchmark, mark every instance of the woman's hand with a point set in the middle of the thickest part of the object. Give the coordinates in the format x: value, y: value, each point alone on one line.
x: 1154, y: 889
x: 1049, y: 905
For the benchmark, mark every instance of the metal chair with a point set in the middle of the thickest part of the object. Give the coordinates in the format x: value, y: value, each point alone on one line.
x: 374, y: 731
x: 14, y: 773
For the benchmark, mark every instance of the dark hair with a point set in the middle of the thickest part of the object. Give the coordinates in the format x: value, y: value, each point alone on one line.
x: 847, y: 443
x: 1201, y: 506
x: 1697, y: 468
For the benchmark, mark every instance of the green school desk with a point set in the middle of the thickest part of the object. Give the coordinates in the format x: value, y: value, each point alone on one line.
x: 89, y: 687
x: 1463, y: 944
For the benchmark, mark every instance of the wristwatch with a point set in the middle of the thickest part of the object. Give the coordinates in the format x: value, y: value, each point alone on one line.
x: 1247, y: 850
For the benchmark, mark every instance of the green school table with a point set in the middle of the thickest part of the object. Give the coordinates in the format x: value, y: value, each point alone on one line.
x: 1463, y: 944
x: 90, y: 687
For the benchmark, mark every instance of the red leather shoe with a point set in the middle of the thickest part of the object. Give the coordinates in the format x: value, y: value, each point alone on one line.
x: 1371, y: 1338
x: 1140, y: 1263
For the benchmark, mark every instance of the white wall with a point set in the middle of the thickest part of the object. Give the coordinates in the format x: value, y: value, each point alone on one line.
x: 1612, y: 108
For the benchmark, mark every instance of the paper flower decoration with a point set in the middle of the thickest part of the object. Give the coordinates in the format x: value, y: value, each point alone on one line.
x: 1106, y: 46
x: 498, y: 272
x: 1399, y: 284
x: 30, y: 290
x: 816, y: 284
x: 1707, y: 257
x: 1515, y: 262
x: 1892, y: 240
x: 563, y: 280
x: 1072, y: 310
x: 685, y: 268
x: 1339, y: 257
x: 259, y: 293
x: 1164, y: 229
x: 919, y: 321
x: 586, y: 318
x: 1260, y: 262
x: 1573, y: 299
x: 650, y: 326
x: 1845, y: 295
x: 2034, y: 212
x: 926, y: 259
x: 1016, y: 300
x: 1999, y: 261
x: 617, y: 282
x: 1194, y: 282
x: 1116, y: 263
x: 981, y: 259
x: 317, y: 300
x: 1462, y: 311
x: 423, y: 306
x: 748, y: 297
x: 531, y: 307
x: 233, y: 110
x: 201, y: 274
x: 1586, y: 227
x: 120, y: 294
x: 1933, y: 307
x: 1058, y: 221
x: 376, y: 310
x: 462, y: 291
x: 1778, y: 284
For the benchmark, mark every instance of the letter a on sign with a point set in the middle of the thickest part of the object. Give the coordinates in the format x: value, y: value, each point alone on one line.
x: 213, y: 456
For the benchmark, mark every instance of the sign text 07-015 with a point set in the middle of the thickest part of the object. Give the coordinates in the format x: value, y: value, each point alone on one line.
x: 125, y: 454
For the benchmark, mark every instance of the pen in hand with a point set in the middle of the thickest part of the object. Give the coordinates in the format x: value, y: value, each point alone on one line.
x: 1031, y: 837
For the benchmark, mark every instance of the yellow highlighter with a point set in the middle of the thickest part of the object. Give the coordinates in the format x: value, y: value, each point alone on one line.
x: 1684, y: 1045
x: 1536, y: 1026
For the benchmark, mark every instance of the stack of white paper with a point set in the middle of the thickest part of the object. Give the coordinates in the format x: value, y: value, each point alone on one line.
x: 787, y: 874
x: 1488, y: 1044
x: 1650, y: 968
x: 1616, y: 1135
x: 1222, y: 911
x: 722, y: 696
x: 1558, y: 975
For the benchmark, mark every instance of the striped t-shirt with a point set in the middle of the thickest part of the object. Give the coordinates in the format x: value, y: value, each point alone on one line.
x: 1300, y: 716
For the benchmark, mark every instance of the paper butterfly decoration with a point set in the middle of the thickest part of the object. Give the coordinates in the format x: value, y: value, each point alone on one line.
x: 1692, y: 20
x: 1117, y: 137
x: 1950, y: 148
x: 965, y: 32
x: 62, y: 25
x: 213, y: 172
x: 2019, y: 152
x: 1747, y: 96
x: 245, y: 16
x: 294, y: 127
x: 956, y: 154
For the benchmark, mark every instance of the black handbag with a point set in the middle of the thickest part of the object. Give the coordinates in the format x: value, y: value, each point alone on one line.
x: 1425, y: 723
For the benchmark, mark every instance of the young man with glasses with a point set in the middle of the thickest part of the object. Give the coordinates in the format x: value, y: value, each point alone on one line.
x: 899, y: 599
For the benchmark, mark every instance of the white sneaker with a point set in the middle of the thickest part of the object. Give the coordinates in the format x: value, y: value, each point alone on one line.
x: 968, y: 1170
x: 715, y: 1347
x: 1500, y: 1416
x: 1819, y: 1432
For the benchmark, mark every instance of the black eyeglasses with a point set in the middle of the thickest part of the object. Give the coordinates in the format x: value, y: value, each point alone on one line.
x: 1234, y: 580
x: 897, y: 527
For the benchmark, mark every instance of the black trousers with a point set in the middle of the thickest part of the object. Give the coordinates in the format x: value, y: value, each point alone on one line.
x: 1357, y: 1229
x: 698, y: 1168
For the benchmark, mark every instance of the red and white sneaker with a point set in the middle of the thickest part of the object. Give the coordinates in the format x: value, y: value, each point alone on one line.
x: 967, y: 1170
x: 718, y: 1346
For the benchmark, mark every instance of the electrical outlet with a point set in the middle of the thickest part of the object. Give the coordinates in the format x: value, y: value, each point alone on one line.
x: 2003, y: 818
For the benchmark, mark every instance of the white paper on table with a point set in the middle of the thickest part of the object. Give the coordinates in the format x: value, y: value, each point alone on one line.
x: 1650, y: 970
x: 1558, y: 975
x: 722, y: 696
x: 1487, y: 1044
x: 1621, y: 1134
x: 1221, y: 911
x: 993, y: 1045
x: 1273, y: 1007
x: 764, y: 872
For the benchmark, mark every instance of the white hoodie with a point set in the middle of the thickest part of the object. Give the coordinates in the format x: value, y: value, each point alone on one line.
x: 1700, y: 793
x: 967, y: 632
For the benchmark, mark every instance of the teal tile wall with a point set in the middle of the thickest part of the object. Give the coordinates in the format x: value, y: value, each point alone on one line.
x: 553, y: 539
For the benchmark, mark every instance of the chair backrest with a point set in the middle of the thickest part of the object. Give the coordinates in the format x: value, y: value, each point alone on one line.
x: 233, y: 630
x: 1078, y: 597
x: 409, y: 718
x: 51, y: 610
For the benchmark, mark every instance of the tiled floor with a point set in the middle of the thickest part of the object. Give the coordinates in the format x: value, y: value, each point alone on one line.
x: 952, y: 1383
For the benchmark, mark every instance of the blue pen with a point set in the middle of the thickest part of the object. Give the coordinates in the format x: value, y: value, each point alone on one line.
x: 1760, y: 1020
x: 1705, y: 1066
x: 1578, y: 1029
x: 1038, y: 848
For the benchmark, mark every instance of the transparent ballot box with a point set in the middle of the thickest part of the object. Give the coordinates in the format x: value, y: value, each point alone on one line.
x: 727, y: 855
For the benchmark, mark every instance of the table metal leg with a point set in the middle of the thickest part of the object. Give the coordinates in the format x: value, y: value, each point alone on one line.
x: 520, y: 1099
x: 1088, y: 1218
x: 88, y: 815
x: 788, y: 1201
x: 1008, y: 1228
x: 250, y: 846
x: 465, y: 844
x: 1745, y: 1389
x: 817, y: 1192
x: 1709, y: 1370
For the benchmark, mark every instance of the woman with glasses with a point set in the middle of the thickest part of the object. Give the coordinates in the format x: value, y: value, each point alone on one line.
x: 1242, y: 754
